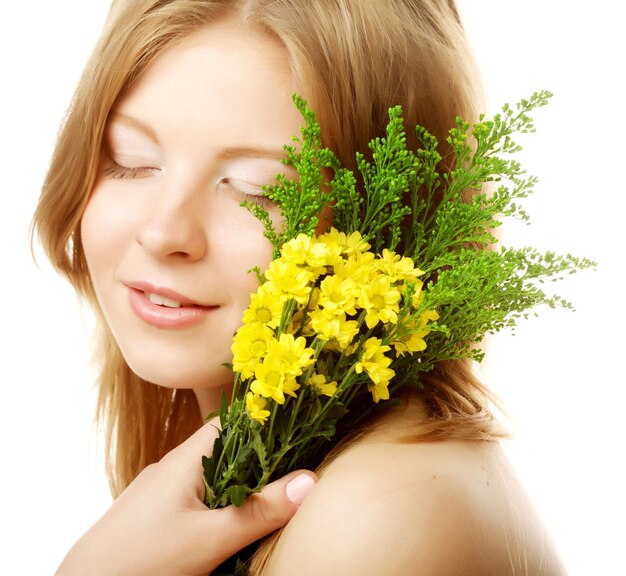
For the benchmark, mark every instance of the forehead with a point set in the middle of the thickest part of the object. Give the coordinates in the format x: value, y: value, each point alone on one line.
x: 225, y: 76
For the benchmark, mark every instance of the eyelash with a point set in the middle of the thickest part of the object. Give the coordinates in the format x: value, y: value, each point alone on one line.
x: 118, y: 172
x: 259, y: 199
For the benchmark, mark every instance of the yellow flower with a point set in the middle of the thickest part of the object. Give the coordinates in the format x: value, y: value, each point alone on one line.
x: 396, y: 267
x: 339, y: 244
x: 271, y: 380
x: 380, y: 300
x: 379, y: 391
x: 249, y: 346
x: 376, y: 364
x: 338, y: 295
x: 256, y: 407
x: 289, y: 280
x: 334, y: 327
x: 306, y: 251
x: 265, y: 307
x: 292, y: 353
x: 354, y: 243
x: 357, y: 267
x: 323, y: 387
x: 418, y: 295
x: 414, y: 341
x: 429, y: 315
x: 411, y: 342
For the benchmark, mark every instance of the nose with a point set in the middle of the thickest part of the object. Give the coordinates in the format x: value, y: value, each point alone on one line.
x: 174, y: 227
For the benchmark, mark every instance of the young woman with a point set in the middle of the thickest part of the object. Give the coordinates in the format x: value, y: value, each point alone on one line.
x: 180, y: 115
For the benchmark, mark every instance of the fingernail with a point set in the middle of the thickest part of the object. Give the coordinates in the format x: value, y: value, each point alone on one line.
x: 299, y: 487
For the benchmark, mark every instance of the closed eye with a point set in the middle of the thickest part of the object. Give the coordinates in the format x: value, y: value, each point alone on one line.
x: 245, y: 191
x: 119, y: 172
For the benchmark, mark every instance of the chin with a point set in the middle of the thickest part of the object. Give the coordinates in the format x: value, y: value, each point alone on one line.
x: 184, y: 378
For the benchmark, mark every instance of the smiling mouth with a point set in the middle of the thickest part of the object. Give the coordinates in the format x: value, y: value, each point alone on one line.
x: 165, y: 312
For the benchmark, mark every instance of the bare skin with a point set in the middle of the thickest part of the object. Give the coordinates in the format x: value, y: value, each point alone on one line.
x: 426, y: 508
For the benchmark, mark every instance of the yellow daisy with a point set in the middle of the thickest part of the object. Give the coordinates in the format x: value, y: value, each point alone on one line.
x: 256, y: 407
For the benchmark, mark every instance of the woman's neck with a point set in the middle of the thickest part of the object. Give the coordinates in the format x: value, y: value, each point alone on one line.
x: 209, y: 399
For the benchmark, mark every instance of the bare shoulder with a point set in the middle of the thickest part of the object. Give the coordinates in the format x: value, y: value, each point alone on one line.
x: 432, y: 508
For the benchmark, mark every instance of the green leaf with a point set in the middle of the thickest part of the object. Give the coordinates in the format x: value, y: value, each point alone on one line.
x: 237, y: 494
x: 209, y: 466
x: 259, y: 448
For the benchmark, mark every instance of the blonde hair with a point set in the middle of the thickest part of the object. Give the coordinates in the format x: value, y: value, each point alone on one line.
x: 354, y: 58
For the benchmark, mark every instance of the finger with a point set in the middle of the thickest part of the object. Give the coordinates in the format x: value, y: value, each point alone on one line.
x: 264, y: 512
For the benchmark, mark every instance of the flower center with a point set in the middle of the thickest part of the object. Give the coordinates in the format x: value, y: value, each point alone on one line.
x: 273, y: 379
x: 378, y: 301
x: 258, y: 348
x: 263, y: 315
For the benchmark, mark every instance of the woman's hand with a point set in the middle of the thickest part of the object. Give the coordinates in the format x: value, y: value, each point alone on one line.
x: 160, y: 525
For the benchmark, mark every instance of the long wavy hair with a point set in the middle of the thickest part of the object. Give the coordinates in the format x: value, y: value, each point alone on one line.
x: 355, y: 59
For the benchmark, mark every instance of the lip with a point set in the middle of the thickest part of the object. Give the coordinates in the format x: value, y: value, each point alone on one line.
x: 189, y: 314
x: 171, y: 294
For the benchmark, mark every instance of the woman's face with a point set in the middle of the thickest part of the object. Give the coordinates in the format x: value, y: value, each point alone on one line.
x: 167, y: 243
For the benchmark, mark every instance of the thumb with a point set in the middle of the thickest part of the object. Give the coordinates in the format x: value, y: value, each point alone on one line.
x: 265, y: 511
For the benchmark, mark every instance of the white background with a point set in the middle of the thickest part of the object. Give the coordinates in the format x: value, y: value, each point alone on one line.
x: 560, y: 374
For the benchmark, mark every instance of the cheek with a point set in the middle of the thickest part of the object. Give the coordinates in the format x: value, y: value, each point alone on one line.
x: 105, y: 228
x: 91, y: 228
x: 237, y: 237
x: 243, y: 258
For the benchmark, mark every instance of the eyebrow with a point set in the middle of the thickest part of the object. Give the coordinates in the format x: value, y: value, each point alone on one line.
x: 230, y: 153
x: 235, y: 152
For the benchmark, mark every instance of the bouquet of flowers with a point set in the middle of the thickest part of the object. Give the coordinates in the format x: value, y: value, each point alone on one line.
x: 409, y: 275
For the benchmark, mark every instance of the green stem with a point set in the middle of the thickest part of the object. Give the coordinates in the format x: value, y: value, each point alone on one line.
x: 317, y: 345
x: 270, y: 435
x: 286, y: 316
x: 226, y: 448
